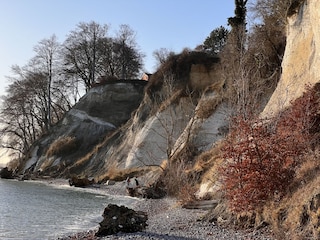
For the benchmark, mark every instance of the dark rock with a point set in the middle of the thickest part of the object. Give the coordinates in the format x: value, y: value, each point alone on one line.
x: 121, y: 219
x: 80, y: 182
x: 6, y: 173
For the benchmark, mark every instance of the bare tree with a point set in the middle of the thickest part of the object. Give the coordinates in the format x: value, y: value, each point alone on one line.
x: 162, y: 55
x: 128, y: 55
x: 23, y: 112
x: 35, y: 99
x: 81, y: 51
x: 47, y: 55
x: 90, y: 54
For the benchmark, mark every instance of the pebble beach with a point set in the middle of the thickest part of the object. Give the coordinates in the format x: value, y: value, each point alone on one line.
x: 168, y: 220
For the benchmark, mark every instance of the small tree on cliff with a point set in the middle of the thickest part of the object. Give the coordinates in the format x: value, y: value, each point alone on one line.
x: 238, y: 24
x: 216, y: 41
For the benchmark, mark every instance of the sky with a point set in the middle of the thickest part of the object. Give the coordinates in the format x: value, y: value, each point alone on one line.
x: 171, y: 24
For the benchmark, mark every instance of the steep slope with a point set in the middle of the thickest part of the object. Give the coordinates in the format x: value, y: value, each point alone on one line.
x: 99, y: 113
x: 301, y: 60
x: 294, y: 214
x: 164, y: 128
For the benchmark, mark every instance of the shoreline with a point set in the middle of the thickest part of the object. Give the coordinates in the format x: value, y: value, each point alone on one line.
x: 166, y: 219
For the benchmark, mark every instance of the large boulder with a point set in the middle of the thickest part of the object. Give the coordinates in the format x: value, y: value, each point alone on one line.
x: 121, y: 219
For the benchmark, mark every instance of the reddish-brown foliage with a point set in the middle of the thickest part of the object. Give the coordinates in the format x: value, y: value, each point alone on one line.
x: 261, y: 157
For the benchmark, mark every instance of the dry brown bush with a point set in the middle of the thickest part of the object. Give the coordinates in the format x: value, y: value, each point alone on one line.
x: 178, y: 182
x: 261, y: 158
x: 14, y: 164
x: 178, y: 66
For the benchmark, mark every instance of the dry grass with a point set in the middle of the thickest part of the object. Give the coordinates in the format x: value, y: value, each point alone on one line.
x: 309, y: 167
x: 206, y: 108
x: 210, y: 103
x: 82, y: 161
x: 165, y: 102
x: 178, y: 182
x: 85, y: 159
x: 62, y: 146
x: 208, y: 163
x: 298, y: 213
x: 296, y: 216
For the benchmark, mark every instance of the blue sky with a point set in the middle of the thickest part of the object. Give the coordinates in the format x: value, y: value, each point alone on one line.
x: 171, y: 24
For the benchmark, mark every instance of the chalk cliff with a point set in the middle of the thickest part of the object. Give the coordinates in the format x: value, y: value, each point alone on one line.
x: 300, y: 66
x: 120, y: 126
x: 99, y: 113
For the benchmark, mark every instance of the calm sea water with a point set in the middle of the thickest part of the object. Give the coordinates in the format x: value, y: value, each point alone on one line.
x: 34, y: 210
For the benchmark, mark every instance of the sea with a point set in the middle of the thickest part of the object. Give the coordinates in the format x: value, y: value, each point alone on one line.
x: 32, y: 210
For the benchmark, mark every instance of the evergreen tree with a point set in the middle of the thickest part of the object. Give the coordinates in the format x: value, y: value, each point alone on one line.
x: 217, y: 39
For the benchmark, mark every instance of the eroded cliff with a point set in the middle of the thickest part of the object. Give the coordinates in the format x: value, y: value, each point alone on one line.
x: 300, y: 66
x: 99, y: 113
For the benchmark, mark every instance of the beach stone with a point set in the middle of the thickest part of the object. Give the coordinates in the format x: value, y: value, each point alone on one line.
x: 6, y: 173
x: 121, y: 219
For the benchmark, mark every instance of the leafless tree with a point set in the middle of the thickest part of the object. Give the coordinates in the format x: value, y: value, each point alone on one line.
x: 81, y: 57
x: 23, y: 112
x: 35, y: 98
x: 89, y: 53
x: 127, y: 53
x: 47, y: 55
x: 161, y: 56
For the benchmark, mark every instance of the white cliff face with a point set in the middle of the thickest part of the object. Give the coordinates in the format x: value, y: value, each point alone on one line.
x: 301, y: 62
x: 150, y: 143
x: 179, y: 125
x: 203, y: 133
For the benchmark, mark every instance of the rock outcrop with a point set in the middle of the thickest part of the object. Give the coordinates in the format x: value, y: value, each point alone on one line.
x: 302, y: 56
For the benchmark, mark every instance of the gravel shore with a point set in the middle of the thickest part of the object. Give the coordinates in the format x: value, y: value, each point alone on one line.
x: 167, y: 220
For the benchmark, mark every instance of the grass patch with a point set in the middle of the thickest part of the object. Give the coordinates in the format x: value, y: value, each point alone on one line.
x: 62, y: 146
